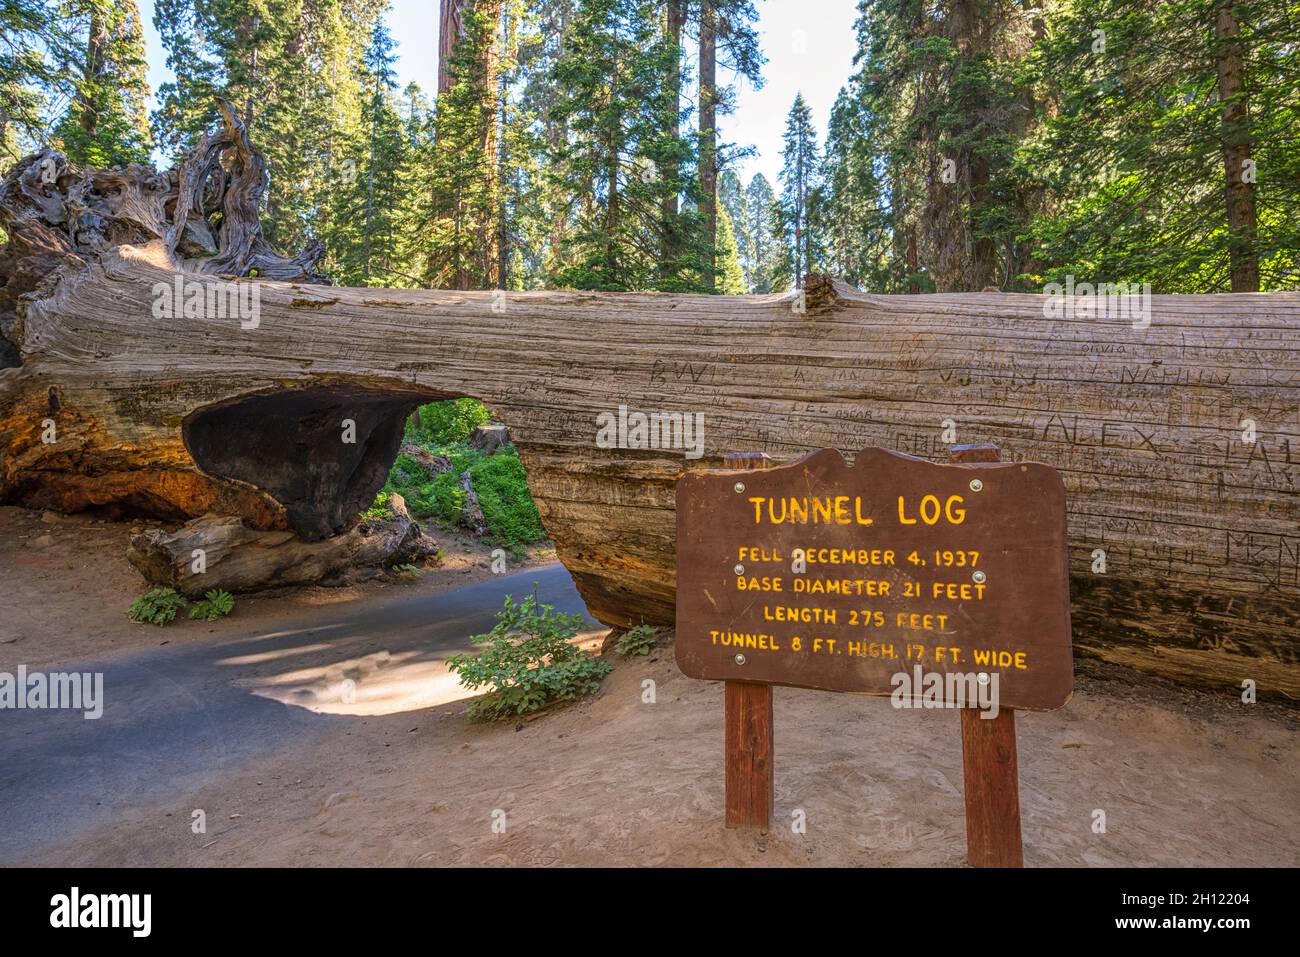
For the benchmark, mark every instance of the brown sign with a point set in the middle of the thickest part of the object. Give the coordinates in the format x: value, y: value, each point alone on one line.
x: 817, y: 574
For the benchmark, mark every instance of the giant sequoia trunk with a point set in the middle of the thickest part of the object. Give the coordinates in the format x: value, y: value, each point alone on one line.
x: 107, y: 405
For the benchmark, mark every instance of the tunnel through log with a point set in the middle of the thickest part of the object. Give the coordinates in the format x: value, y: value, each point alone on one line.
x: 1200, y: 529
x: 321, y: 452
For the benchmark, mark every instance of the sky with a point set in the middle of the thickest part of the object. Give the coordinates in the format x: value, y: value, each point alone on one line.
x: 808, y: 44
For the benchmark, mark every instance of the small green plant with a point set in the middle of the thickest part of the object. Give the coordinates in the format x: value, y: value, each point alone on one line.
x: 158, y: 607
x: 636, y: 641
x: 215, y: 604
x: 406, y: 568
x: 529, y: 662
x: 379, y: 509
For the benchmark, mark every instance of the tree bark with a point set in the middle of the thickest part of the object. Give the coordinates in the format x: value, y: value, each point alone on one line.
x: 239, y: 559
x: 1239, y: 180
x: 107, y: 405
x: 450, y: 28
x: 490, y: 142
x: 670, y: 171
x: 709, y: 138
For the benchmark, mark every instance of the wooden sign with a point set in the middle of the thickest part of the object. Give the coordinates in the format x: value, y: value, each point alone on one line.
x: 818, y: 574
x: 821, y: 574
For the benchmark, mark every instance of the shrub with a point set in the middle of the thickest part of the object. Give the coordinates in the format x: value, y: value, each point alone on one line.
x: 158, y: 607
x: 215, y: 604
x: 636, y: 641
x: 529, y: 662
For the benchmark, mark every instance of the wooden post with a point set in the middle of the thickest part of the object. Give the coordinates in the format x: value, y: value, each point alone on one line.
x: 988, y: 754
x: 750, y: 769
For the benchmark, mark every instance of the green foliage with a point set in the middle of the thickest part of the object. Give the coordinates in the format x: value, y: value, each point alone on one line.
x: 731, y: 276
x: 72, y: 76
x: 508, y: 508
x: 758, y: 236
x: 380, y: 509
x: 636, y: 641
x: 446, y: 423
x: 157, y: 607
x: 214, y: 604
x: 794, y: 223
x: 499, y: 481
x: 529, y: 662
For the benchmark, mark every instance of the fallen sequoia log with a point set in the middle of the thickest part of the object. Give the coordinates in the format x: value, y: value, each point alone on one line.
x: 237, y: 558
x: 1177, y: 442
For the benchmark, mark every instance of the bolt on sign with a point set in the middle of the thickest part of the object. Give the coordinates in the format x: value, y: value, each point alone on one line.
x: 820, y: 574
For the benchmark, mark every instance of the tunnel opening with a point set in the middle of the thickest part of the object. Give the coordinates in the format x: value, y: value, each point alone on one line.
x: 322, y: 452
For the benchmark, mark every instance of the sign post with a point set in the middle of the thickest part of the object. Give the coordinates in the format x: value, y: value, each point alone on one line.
x: 988, y: 758
x: 750, y: 767
x: 937, y: 585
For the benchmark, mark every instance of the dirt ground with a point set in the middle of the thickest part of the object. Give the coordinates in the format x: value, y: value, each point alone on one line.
x: 634, y: 776
x: 66, y: 586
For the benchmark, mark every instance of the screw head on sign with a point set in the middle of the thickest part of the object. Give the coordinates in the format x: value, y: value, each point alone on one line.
x: 976, y: 485
x: 740, y: 569
x: 983, y: 678
x: 980, y: 578
x: 740, y: 486
x: 740, y: 659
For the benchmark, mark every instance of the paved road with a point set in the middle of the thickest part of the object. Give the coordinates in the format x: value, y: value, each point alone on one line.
x: 177, y: 715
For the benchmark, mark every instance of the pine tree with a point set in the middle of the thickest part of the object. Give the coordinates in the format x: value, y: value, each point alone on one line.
x: 27, y: 74
x: 759, y: 203
x: 607, y: 85
x: 799, y: 178
x: 464, y: 237
x: 293, y: 69
x: 1175, y: 163
x: 944, y: 101
x: 724, y: 26
x: 858, y: 222
x: 107, y: 123
x: 731, y: 194
x: 730, y: 277
x: 72, y: 76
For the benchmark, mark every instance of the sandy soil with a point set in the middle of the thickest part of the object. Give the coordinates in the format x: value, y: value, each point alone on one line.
x: 1184, y: 777
x: 66, y: 586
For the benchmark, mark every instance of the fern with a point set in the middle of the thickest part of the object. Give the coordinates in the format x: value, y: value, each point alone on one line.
x: 158, y: 607
x: 215, y: 604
